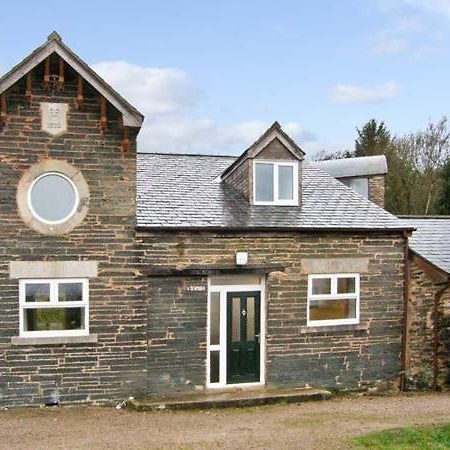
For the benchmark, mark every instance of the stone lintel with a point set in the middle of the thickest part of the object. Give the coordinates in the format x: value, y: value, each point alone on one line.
x: 53, y: 269
x: 334, y: 265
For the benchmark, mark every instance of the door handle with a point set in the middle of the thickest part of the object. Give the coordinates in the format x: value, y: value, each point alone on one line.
x: 257, y: 338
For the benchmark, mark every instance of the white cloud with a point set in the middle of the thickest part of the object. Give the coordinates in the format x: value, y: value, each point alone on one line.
x: 389, y: 45
x: 167, y: 98
x: 192, y: 135
x: 436, y: 6
x: 399, y: 36
x: 151, y: 90
x: 351, y: 93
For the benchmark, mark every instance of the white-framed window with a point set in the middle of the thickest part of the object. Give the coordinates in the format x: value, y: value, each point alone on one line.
x: 53, y: 198
x: 275, y: 183
x: 333, y: 299
x: 57, y: 307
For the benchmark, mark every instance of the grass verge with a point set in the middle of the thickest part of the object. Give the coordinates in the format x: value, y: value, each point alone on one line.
x: 423, y: 438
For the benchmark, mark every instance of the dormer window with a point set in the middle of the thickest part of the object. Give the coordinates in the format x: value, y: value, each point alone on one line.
x: 275, y: 183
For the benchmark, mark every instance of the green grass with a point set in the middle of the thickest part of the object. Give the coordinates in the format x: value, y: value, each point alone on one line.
x: 423, y: 438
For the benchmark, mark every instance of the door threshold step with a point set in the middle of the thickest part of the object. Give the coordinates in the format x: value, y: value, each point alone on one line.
x: 230, y: 399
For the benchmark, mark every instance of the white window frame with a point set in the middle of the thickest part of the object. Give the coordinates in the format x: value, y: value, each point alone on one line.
x: 333, y: 296
x: 72, y: 211
x: 223, y: 290
x: 276, y: 166
x: 53, y: 303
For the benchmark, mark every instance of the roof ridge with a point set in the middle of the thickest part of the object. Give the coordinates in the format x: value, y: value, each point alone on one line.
x: 186, y: 154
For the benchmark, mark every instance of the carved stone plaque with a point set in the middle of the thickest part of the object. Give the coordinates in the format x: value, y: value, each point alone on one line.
x: 54, y: 118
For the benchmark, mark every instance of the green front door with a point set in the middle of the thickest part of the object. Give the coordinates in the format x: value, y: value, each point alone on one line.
x: 243, y: 337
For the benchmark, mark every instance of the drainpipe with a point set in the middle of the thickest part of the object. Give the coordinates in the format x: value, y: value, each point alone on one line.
x: 406, y: 284
x: 437, y: 299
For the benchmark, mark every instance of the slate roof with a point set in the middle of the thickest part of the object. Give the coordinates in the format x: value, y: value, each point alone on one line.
x: 184, y: 191
x: 355, y: 167
x: 431, y: 240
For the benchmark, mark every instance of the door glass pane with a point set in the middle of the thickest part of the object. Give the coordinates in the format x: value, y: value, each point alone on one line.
x: 346, y: 285
x: 321, y: 286
x: 49, y: 319
x: 214, y: 366
x: 264, y: 182
x: 214, y: 337
x: 250, y: 318
x: 236, y: 321
x: 285, y: 182
x: 332, y: 309
x: 70, y: 292
x: 37, y: 292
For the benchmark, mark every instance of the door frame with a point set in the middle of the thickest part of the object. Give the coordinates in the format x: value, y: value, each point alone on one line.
x: 222, y: 347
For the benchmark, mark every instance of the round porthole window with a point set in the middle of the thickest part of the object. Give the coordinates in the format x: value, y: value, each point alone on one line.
x: 53, y: 198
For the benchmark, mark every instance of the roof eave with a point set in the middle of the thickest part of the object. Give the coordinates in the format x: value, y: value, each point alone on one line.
x: 131, y: 116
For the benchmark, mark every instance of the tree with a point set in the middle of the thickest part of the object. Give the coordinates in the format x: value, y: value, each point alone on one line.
x: 373, y: 139
x: 323, y: 155
x: 443, y: 203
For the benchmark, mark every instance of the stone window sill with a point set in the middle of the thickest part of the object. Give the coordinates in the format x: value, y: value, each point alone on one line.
x: 334, y: 328
x: 53, y: 340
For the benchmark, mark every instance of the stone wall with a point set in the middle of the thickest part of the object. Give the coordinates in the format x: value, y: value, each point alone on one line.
x: 113, y: 367
x: 421, y: 354
x: 377, y: 189
x: 239, y: 179
x: 343, y: 359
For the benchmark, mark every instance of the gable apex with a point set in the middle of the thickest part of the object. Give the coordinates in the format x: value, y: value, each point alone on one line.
x: 54, y: 44
x: 274, y: 132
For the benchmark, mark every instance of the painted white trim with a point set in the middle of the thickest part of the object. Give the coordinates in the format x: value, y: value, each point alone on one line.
x: 276, y: 165
x: 222, y: 347
x: 73, y: 210
x: 334, y: 296
x: 53, y: 303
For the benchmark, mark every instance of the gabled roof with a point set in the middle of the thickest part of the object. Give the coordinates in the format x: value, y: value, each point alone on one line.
x: 354, y: 167
x: 131, y: 116
x: 273, y: 132
x: 184, y: 191
x: 431, y: 239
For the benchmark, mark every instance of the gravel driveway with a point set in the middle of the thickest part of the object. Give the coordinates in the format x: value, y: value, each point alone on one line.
x: 317, y: 425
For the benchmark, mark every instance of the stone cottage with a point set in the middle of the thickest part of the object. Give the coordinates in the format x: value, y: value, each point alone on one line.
x: 145, y: 274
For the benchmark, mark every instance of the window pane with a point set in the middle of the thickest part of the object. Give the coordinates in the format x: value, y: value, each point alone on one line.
x: 70, y: 292
x: 346, y: 285
x: 264, y: 182
x: 332, y: 309
x: 37, y: 292
x: 236, y: 322
x: 214, y: 337
x: 321, y: 286
x: 214, y: 367
x: 250, y: 318
x: 285, y: 182
x: 53, y: 197
x: 50, y: 319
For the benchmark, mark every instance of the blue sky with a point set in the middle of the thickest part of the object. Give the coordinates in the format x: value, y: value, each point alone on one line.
x: 210, y: 76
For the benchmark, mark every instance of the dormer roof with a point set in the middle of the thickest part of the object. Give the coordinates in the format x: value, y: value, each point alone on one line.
x: 54, y: 44
x: 273, y: 132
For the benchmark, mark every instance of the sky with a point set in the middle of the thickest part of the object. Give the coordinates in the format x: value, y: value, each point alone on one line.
x: 210, y: 75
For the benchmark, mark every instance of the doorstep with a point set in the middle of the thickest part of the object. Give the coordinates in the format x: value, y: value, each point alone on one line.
x: 236, y: 398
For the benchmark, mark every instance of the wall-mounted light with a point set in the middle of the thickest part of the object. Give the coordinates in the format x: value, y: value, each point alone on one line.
x: 241, y: 258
